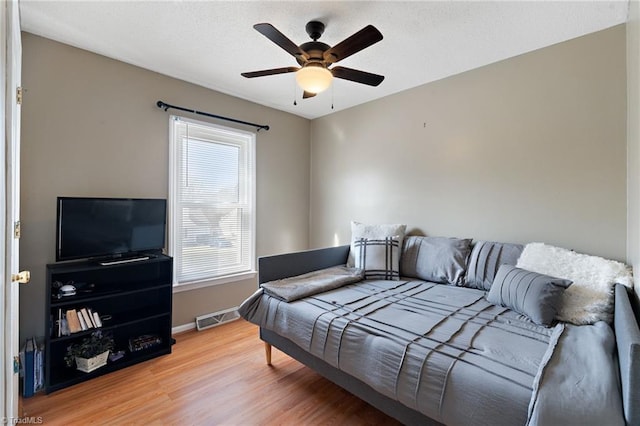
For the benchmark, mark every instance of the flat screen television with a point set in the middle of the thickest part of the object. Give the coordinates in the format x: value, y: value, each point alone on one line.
x: 109, y: 227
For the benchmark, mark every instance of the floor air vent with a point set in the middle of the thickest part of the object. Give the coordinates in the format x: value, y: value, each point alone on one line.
x: 211, y: 320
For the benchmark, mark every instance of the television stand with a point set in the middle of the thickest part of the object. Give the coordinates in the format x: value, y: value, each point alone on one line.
x: 123, y: 260
x: 132, y: 300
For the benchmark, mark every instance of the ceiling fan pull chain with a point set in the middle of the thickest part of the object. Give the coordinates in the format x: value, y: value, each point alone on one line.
x: 295, y: 94
x: 332, y: 92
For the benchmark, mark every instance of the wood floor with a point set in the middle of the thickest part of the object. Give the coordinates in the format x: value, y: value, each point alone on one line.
x: 213, y: 377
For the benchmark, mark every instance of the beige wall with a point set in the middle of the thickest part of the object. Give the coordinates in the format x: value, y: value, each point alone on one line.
x: 532, y: 148
x: 90, y: 127
x: 633, y: 139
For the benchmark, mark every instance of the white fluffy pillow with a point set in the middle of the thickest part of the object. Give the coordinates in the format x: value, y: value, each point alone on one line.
x: 361, y: 230
x: 590, y: 298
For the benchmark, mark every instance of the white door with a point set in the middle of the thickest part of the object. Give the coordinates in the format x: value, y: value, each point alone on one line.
x: 11, y: 58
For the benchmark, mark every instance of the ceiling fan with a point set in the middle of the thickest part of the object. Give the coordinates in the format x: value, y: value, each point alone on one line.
x: 315, y: 57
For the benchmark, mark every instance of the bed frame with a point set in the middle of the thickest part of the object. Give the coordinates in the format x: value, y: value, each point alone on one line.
x: 291, y: 264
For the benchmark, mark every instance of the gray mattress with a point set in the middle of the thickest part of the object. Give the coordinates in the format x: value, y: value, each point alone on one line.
x: 443, y: 351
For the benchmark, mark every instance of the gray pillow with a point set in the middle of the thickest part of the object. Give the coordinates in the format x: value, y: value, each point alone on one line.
x: 435, y: 259
x: 535, y: 295
x: 486, y: 257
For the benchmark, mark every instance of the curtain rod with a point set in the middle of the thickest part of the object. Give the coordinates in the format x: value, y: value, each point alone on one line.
x: 166, y: 106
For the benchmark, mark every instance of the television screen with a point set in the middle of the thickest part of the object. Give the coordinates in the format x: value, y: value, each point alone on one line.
x: 104, y: 227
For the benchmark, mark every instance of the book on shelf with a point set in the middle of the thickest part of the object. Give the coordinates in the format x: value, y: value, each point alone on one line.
x: 87, y: 318
x: 97, y: 320
x: 62, y: 324
x: 83, y: 324
x: 92, y: 317
x: 73, y: 321
x: 76, y: 320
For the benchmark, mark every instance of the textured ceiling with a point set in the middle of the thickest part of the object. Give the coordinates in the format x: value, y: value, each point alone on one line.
x: 211, y: 42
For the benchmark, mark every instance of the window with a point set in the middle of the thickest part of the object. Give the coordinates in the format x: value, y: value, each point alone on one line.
x: 211, y: 202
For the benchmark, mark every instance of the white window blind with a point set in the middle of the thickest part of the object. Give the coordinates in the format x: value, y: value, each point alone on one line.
x: 212, y: 197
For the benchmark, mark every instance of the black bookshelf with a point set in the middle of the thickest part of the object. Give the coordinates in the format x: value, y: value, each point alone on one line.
x: 133, y: 299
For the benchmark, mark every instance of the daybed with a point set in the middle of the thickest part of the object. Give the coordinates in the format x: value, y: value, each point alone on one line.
x: 433, y: 345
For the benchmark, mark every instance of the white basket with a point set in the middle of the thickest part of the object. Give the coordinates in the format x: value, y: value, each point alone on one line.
x: 87, y: 365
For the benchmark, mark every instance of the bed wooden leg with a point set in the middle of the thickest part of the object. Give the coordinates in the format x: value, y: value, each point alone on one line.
x: 267, y: 352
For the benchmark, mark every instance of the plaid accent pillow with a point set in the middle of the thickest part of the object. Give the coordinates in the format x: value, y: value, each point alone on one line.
x: 373, y: 231
x: 378, y: 258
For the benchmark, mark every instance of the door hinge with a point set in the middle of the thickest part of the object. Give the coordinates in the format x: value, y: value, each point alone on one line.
x: 19, y: 95
x: 16, y: 365
x: 17, y: 231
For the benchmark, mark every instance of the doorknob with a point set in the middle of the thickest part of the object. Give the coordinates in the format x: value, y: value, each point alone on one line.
x: 22, y: 277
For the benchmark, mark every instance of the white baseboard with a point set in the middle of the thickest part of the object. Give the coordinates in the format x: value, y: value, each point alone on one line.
x: 183, y: 328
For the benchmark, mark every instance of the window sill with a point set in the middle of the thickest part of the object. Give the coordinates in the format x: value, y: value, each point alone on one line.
x: 178, y: 288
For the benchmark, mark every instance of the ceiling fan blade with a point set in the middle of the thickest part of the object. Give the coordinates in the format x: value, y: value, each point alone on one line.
x: 306, y: 95
x: 269, y: 72
x: 357, y: 76
x: 270, y: 32
x: 362, y: 39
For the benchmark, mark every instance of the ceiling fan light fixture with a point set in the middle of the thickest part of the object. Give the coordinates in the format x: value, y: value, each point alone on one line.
x: 314, y: 78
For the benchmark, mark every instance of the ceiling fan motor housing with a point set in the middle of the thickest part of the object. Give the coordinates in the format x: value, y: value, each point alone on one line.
x: 315, y: 50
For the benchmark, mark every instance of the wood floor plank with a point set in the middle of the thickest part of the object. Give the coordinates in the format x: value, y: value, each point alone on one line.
x: 213, y: 377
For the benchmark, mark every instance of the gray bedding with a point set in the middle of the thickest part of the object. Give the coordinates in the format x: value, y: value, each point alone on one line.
x: 446, y: 352
x: 294, y: 288
x: 579, y: 385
